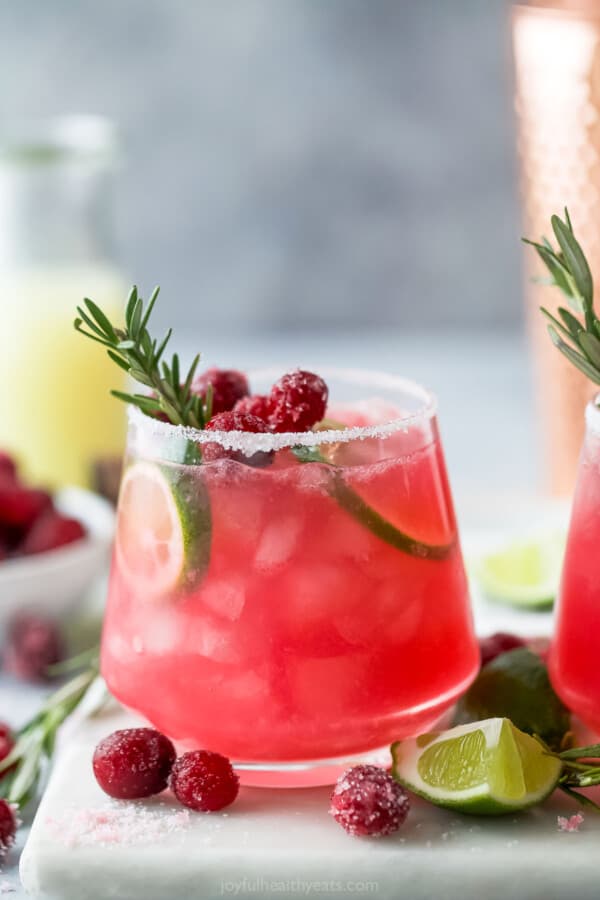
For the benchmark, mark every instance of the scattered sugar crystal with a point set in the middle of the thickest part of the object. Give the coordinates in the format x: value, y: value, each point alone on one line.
x: 571, y: 823
x: 118, y: 823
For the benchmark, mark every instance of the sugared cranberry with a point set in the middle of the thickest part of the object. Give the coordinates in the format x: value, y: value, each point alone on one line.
x: 298, y: 401
x: 228, y: 386
x: 368, y: 801
x: 258, y: 405
x: 8, y: 466
x: 133, y: 763
x: 204, y: 781
x: 500, y: 642
x: 234, y: 421
x: 32, y: 644
x: 8, y: 825
x: 50, y: 531
x: 20, y: 507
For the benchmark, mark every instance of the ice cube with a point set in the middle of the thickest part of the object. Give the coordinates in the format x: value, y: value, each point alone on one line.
x: 159, y: 632
x: 277, y: 542
x: 391, y: 615
x: 206, y: 636
x: 317, y: 592
x: 225, y: 596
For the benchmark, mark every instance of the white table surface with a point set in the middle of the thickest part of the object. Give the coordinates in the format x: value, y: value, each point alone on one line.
x: 482, y: 383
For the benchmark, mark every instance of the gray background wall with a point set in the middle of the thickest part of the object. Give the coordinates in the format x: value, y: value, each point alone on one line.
x: 294, y: 163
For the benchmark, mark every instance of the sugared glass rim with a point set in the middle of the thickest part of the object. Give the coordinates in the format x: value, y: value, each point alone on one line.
x: 249, y: 443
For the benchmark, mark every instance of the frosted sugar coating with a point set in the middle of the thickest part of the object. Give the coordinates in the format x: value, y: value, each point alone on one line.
x: 249, y: 443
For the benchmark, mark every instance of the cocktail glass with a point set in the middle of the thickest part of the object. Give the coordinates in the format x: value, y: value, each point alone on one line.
x: 301, y: 605
x: 573, y: 661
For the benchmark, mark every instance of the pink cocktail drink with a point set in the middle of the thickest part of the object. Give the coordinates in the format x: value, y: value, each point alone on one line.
x: 575, y: 651
x: 304, y: 602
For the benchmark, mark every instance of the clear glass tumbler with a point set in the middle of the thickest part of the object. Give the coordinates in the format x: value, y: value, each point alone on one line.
x: 302, y: 604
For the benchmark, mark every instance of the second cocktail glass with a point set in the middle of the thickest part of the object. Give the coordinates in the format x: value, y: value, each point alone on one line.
x: 574, y: 653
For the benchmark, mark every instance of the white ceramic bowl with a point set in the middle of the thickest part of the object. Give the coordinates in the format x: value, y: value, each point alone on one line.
x: 55, y: 581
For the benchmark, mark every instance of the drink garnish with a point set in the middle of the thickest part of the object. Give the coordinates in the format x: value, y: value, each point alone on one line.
x: 367, y: 802
x: 360, y: 510
x: 577, y: 338
x: 162, y: 540
x: 135, y: 351
x: 22, y: 769
x: 297, y: 401
x: 133, y: 763
x: 523, y: 573
x: 491, y: 767
x: 484, y: 768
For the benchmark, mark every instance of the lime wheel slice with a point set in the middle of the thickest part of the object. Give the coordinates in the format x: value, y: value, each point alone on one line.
x: 163, y: 534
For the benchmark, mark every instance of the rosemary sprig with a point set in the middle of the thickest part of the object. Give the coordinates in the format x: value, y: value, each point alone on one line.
x: 581, y: 769
x: 577, y: 338
x: 34, y: 745
x: 135, y: 351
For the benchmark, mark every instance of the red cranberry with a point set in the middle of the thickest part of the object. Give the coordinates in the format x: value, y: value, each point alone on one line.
x: 500, y: 642
x: 20, y: 507
x: 368, y: 801
x: 298, y: 401
x: 204, y: 781
x: 228, y: 386
x: 32, y: 644
x: 51, y: 531
x: 6, y: 744
x: 133, y: 763
x: 8, y: 466
x: 258, y: 405
x: 234, y: 421
x: 8, y: 825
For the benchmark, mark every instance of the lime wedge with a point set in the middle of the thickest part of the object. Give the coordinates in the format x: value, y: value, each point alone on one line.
x: 163, y: 528
x: 486, y: 768
x: 525, y: 574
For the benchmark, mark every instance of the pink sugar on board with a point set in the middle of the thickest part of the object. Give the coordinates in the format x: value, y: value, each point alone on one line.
x: 126, y: 824
x: 570, y: 824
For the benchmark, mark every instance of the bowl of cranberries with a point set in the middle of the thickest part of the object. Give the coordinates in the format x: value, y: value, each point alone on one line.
x: 51, y: 546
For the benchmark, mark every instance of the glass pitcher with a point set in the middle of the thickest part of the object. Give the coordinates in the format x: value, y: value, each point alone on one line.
x: 56, y: 246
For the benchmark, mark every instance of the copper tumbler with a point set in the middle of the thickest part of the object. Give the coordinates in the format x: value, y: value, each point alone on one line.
x: 557, y: 68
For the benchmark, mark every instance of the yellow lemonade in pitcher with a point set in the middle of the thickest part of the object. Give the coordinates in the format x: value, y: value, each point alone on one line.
x: 56, y: 413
